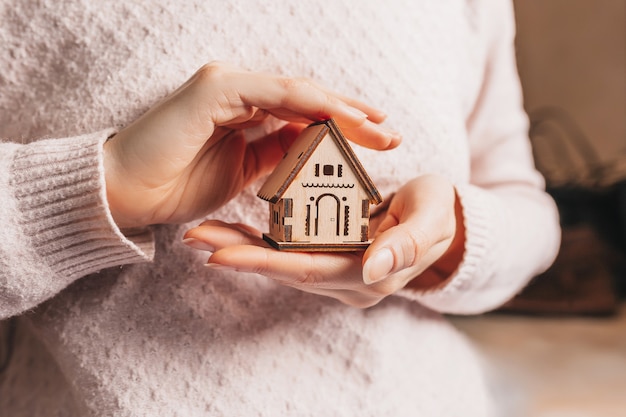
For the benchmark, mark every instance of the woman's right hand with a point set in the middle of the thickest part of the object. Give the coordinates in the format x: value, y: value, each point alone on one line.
x: 419, y: 241
x: 187, y: 155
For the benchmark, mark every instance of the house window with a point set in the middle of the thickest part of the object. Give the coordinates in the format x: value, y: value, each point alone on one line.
x: 365, y: 209
x: 329, y: 170
x: 340, y: 170
x: 317, y: 170
x: 276, y: 217
x: 365, y: 231
x: 288, y: 207
x: 307, y: 224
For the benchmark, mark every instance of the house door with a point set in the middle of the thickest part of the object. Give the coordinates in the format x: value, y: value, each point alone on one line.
x: 327, y: 213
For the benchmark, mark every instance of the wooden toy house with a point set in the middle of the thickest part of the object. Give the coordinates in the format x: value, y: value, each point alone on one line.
x: 319, y: 194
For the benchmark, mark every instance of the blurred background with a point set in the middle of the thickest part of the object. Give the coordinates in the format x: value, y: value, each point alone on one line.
x: 559, y: 348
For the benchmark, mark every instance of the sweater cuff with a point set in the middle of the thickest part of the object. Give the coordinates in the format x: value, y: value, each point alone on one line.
x: 455, y: 295
x: 61, y: 195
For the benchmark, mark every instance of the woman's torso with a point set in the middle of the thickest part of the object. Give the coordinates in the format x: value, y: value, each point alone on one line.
x: 171, y: 337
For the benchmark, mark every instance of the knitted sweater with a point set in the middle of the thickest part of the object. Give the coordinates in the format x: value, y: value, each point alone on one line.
x: 134, y: 325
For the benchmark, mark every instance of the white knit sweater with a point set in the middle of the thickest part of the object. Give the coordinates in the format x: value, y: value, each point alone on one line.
x: 135, y: 325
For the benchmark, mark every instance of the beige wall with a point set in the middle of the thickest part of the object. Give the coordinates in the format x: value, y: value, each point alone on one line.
x: 572, y: 54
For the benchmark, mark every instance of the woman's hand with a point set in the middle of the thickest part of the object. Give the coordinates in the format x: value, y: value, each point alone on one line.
x: 418, y: 243
x: 187, y: 155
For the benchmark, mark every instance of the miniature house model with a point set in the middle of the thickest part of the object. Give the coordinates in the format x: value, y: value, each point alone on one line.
x: 319, y: 194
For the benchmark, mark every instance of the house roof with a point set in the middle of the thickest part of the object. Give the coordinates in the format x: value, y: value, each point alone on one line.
x: 296, y: 158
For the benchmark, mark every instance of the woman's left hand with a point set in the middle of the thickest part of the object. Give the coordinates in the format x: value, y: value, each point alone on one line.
x: 187, y: 156
x: 418, y: 243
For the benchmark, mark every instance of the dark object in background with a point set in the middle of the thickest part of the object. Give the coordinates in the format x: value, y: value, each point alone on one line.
x: 581, y: 280
x: 7, y: 342
x: 589, y: 274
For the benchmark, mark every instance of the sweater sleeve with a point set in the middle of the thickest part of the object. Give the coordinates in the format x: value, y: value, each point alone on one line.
x: 55, y: 226
x: 512, y: 227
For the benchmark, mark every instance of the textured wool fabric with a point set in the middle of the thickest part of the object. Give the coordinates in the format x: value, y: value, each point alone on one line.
x: 133, y: 324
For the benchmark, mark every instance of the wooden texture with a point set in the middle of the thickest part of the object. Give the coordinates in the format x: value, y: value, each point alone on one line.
x: 319, y: 194
x: 316, y: 247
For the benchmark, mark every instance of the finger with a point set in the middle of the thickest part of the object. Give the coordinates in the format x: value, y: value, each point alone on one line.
x: 214, y: 235
x: 373, y: 136
x: 349, y: 297
x: 233, y: 94
x: 264, y: 154
x: 297, y: 97
x: 230, y: 97
x: 404, y: 255
x: 398, y: 248
x: 373, y: 114
x: 252, y: 231
x: 298, y: 269
x: 239, y: 247
x: 419, y: 227
x: 368, y: 134
x: 332, y: 276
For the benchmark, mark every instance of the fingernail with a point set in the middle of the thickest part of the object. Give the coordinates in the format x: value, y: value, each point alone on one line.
x: 198, y: 244
x: 357, y: 113
x: 381, y: 114
x: 378, y: 267
x: 393, y: 134
x: 220, y: 267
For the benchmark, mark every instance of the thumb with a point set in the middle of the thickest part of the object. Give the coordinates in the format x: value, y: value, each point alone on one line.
x: 397, y: 248
x: 417, y: 230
